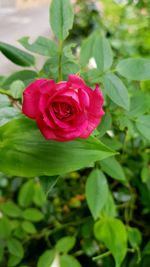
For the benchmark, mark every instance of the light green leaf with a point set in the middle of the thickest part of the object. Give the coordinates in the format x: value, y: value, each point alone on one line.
x: 46, y: 259
x: 8, y: 113
x: 26, y: 194
x: 32, y: 214
x: 116, y: 90
x: 11, y: 209
x: 112, y: 233
x: 61, y: 18
x: 102, y: 53
x: 17, y: 55
x: 22, y: 145
x: 109, y: 208
x: 65, y: 244
x: 113, y: 168
x: 69, y: 261
x: 139, y: 104
x: 28, y: 227
x: 16, y: 89
x: 143, y: 126
x: 42, y: 46
x: 96, y: 192
x: 134, y: 68
x: 15, y: 247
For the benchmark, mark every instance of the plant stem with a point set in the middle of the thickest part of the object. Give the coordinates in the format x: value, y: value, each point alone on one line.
x: 60, y: 61
x: 5, y: 92
x: 101, y: 256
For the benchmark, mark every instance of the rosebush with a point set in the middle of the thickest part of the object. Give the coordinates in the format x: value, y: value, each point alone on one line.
x: 83, y: 202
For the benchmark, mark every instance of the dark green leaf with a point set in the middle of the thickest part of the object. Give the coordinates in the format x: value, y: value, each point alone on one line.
x: 48, y: 183
x: 5, y: 228
x: 17, y: 55
x: 134, y: 236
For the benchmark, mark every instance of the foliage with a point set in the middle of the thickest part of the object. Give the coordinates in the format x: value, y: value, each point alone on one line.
x: 48, y: 217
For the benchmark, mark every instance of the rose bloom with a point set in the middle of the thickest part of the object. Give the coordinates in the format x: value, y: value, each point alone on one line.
x: 63, y: 111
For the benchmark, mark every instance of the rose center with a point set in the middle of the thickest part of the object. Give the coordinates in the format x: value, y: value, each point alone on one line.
x: 62, y: 110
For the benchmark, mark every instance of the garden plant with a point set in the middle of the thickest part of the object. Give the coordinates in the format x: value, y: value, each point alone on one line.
x: 75, y: 140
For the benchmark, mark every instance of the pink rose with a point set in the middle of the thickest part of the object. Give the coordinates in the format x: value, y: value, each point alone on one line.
x: 63, y: 111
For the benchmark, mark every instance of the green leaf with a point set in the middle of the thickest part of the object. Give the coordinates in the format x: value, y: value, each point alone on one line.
x: 26, y: 76
x: 134, y: 68
x: 112, y: 233
x: 48, y: 183
x: 105, y: 124
x: 10, y: 209
x: 15, y: 247
x: 146, y: 250
x: 39, y: 197
x: 28, y: 227
x: 143, y: 125
x: 109, y: 208
x: 134, y: 236
x: 13, y: 261
x: 46, y: 259
x: 69, y: 261
x: 139, y: 104
x: 26, y: 194
x: 96, y: 192
x: 42, y: 46
x: 5, y: 228
x: 102, y: 53
x: 16, y: 89
x: 33, y: 215
x: 87, y: 49
x: 22, y: 145
x: 116, y: 90
x: 61, y: 18
x: 113, y: 168
x: 17, y: 55
x: 1, y: 250
x: 65, y: 244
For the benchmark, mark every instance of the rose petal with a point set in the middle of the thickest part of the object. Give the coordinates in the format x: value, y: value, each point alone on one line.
x: 31, y: 97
